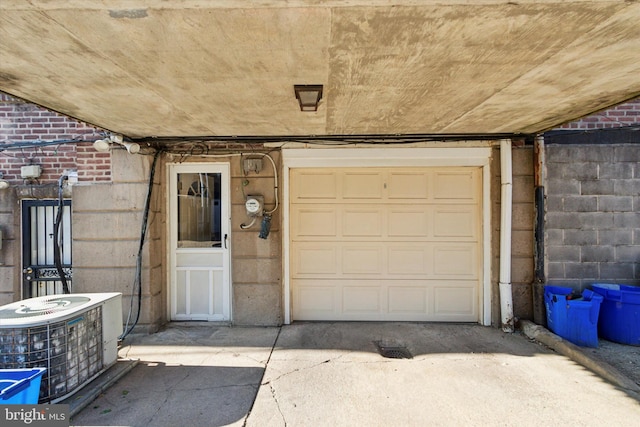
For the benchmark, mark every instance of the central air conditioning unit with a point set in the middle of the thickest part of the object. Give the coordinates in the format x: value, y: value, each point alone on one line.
x: 74, y: 336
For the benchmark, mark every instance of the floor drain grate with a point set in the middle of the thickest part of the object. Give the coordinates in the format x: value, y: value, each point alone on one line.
x: 393, y: 352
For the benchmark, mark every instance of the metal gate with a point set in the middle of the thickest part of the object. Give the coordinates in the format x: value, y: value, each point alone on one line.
x: 39, y: 273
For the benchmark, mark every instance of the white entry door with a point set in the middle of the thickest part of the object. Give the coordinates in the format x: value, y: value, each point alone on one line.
x: 199, y: 242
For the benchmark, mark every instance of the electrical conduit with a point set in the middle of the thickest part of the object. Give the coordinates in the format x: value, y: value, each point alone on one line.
x: 506, y: 197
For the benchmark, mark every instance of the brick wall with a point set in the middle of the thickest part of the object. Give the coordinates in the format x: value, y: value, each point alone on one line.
x: 626, y: 114
x: 24, y: 122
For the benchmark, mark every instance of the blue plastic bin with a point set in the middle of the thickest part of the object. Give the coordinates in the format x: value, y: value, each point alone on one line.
x: 575, y: 320
x: 20, y: 386
x: 620, y: 313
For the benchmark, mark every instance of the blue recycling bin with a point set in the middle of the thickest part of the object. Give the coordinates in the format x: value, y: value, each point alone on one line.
x: 573, y: 318
x: 620, y: 313
x: 20, y: 386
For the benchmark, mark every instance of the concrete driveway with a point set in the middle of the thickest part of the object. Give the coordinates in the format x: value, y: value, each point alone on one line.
x: 332, y: 374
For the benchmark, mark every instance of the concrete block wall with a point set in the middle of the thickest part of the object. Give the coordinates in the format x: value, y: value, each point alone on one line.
x: 256, y: 263
x: 522, y: 238
x: 106, y: 224
x: 592, y: 219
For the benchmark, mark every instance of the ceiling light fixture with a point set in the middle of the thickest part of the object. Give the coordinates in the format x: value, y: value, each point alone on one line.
x: 308, y: 96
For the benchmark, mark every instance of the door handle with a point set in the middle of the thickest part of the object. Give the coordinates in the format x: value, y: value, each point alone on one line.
x: 225, y: 241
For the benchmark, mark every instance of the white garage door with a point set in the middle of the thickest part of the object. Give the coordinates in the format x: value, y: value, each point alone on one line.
x: 386, y: 244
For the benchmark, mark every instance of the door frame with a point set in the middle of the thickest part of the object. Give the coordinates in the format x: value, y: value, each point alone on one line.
x: 478, y: 155
x: 173, y: 169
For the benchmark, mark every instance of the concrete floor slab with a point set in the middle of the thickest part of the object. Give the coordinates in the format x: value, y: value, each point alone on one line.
x: 317, y: 374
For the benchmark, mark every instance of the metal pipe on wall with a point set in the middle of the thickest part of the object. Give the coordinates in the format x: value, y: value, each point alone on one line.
x: 539, y: 311
x: 506, y: 201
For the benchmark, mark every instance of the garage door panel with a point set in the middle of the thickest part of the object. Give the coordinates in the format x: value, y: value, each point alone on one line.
x: 314, y: 222
x: 315, y: 300
x: 458, y: 185
x: 311, y: 185
x: 455, y: 222
x: 362, y: 222
x: 456, y: 301
x: 362, y: 299
x: 455, y: 260
x: 315, y: 259
x: 408, y: 260
x: 362, y: 260
x: 408, y: 221
x: 362, y: 185
x: 408, y: 300
x: 408, y: 185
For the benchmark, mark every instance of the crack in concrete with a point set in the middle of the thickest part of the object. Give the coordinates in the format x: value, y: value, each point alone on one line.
x: 273, y: 394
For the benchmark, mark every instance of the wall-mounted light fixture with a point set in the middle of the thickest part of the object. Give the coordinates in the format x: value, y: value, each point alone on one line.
x: 103, y: 145
x: 308, y: 96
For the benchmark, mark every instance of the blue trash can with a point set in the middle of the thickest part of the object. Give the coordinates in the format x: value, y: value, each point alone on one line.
x: 574, y: 318
x: 20, y: 386
x: 620, y: 313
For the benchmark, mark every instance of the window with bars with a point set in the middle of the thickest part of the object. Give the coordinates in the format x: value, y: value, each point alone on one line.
x: 40, y: 274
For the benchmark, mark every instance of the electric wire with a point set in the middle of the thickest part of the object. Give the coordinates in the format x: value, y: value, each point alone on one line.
x: 137, y: 285
x: 57, y: 249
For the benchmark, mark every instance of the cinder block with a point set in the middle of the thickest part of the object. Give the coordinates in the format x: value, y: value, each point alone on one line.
x: 614, y: 237
x: 561, y: 186
x: 615, y: 203
x: 626, y: 153
x: 626, y: 187
x: 522, y: 243
x: 249, y: 245
x: 522, y: 270
x: 8, y: 201
x: 522, y: 160
x: 615, y: 271
x: 580, y: 204
x: 126, y: 167
x: 7, y: 298
x: 582, y: 270
x: 109, y: 197
x: 522, y: 300
x: 627, y: 254
x: 594, y: 221
x: 628, y: 220
x: 563, y: 253
x: 8, y: 279
x: 597, y: 187
x: 113, y: 225
x: 111, y: 254
x: 597, y: 254
x: 562, y: 220
x: 522, y: 216
x: 555, y: 271
x: 580, y: 171
x: 251, y: 270
x: 580, y: 237
x: 616, y: 170
x: 257, y: 305
x: 523, y: 189
x: 554, y: 237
